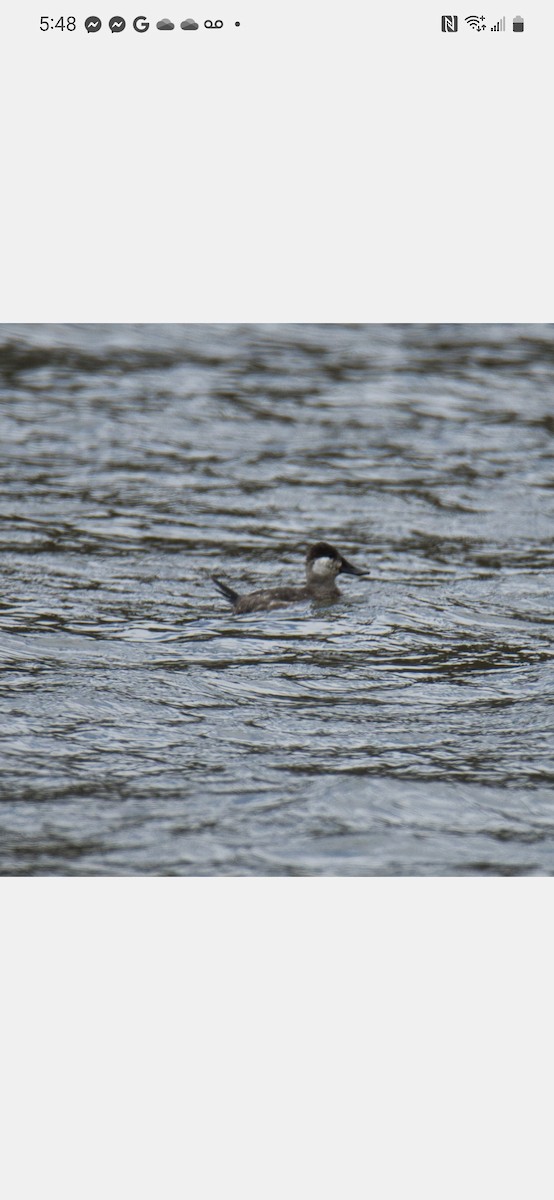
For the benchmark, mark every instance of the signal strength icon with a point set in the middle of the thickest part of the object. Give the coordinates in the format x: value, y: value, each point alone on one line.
x: 500, y: 26
x: 477, y: 23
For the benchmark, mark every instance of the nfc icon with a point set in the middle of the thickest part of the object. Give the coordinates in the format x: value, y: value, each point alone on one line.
x: 449, y: 24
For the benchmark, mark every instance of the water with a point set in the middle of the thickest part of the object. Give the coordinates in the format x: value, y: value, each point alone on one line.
x: 406, y: 730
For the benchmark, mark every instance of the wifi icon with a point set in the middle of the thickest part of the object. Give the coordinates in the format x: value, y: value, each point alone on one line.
x: 477, y: 23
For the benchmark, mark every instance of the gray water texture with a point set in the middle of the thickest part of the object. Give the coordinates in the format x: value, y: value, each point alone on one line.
x: 406, y: 729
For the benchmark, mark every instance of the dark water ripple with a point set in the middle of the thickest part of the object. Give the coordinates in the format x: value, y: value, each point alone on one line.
x: 406, y: 730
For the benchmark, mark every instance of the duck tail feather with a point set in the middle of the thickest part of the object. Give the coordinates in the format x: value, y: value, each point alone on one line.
x: 225, y: 590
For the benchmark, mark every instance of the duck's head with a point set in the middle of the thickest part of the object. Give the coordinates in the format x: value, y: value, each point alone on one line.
x: 323, y: 563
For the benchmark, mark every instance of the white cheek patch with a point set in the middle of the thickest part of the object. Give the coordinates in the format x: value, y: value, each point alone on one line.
x: 322, y: 566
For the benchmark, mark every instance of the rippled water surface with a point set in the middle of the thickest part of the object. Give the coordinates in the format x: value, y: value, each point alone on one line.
x: 407, y: 729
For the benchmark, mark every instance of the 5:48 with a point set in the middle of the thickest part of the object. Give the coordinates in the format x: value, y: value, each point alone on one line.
x: 60, y: 23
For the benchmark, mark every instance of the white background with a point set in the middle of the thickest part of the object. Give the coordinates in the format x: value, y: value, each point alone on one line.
x: 323, y: 162
x: 269, y: 1038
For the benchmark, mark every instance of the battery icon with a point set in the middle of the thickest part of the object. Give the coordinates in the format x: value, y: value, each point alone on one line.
x: 518, y: 25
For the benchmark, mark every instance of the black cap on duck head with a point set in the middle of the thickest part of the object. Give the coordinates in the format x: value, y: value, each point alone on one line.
x: 322, y: 550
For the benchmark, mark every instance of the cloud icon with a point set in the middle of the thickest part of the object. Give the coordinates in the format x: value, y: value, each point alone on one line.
x: 189, y: 24
x: 165, y: 23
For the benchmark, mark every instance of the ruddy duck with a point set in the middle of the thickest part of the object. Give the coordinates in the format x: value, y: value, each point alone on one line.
x: 323, y: 564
